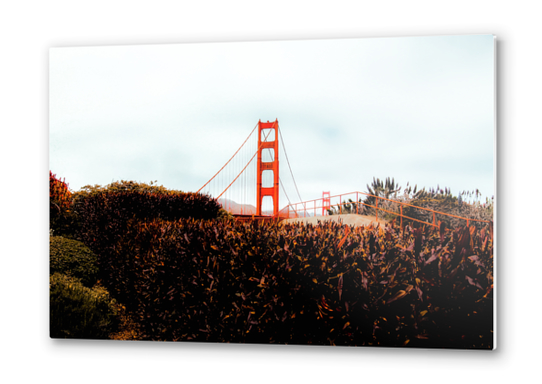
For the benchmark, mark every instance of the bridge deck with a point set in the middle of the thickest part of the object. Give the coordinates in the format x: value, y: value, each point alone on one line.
x: 349, y: 219
x: 254, y: 217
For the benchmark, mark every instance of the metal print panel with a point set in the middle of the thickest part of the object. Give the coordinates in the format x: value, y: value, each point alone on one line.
x: 318, y: 192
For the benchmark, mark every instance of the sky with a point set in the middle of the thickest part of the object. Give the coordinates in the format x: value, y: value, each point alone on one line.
x: 418, y: 109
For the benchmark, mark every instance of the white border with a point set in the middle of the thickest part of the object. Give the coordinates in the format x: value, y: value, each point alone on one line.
x: 28, y: 29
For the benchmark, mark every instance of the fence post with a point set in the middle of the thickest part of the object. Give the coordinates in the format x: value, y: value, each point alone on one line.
x: 401, y: 216
x: 357, y: 204
x: 340, y: 205
x: 434, y: 220
x: 376, y: 210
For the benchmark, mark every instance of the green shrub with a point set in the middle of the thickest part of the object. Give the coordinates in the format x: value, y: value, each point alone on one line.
x: 79, y: 312
x: 73, y: 258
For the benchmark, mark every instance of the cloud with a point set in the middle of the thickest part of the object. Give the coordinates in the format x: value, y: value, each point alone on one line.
x: 417, y: 109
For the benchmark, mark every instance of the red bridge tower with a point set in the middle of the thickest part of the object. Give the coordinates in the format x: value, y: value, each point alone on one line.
x: 268, y: 139
x: 326, y: 202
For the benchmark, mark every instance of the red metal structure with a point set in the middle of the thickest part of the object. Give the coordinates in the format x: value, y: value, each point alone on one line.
x: 326, y: 202
x: 267, y: 185
x: 265, y: 130
x: 355, y: 206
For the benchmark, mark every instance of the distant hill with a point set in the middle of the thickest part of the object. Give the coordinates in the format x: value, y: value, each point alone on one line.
x: 247, y: 209
x: 237, y: 209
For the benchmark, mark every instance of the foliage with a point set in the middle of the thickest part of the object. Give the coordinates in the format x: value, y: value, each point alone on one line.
x: 60, y: 199
x: 442, y: 200
x: 262, y: 282
x: 79, y: 312
x: 126, y: 186
x: 387, y: 189
x: 59, y: 194
x: 128, y: 328
x: 185, y: 270
x: 348, y: 207
x: 466, y: 204
x: 106, y: 212
x: 73, y: 258
x: 225, y: 215
x: 100, y: 216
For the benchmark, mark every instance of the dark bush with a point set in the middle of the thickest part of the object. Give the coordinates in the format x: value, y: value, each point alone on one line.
x: 73, y: 258
x: 79, y: 312
x: 105, y: 213
x: 294, y: 284
x: 61, y: 217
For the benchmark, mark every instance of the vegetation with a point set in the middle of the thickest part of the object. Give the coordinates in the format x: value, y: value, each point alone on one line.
x: 60, y: 204
x: 294, y: 284
x: 105, y: 213
x: 73, y: 258
x: 180, y: 269
x: 442, y: 200
x: 466, y: 204
x: 99, y: 216
x: 79, y: 307
x: 59, y: 195
x: 79, y: 312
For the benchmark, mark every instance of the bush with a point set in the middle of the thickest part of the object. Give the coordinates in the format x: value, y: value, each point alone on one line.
x: 79, y: 312
x: 105, y: 213
x: 73, y: 258
x: 436, y: 199
x: 59, y: 195
x: 442, y: 200
x: 60, y: 200
x: 326, y: 284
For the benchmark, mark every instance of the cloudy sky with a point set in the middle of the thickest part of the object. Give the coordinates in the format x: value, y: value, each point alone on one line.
x: 419, y: 109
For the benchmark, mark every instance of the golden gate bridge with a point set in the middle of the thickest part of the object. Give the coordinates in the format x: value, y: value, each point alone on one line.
x: 249, y: 186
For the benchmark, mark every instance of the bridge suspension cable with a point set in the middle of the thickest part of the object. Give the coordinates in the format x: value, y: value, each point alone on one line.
x: 288, y: 162
x: 285, y: 194
x: 224, y: 166
x: 238, y: 190
x: 252, y: 158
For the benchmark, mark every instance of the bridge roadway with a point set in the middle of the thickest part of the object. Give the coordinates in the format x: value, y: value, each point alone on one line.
x: 349, y: 219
